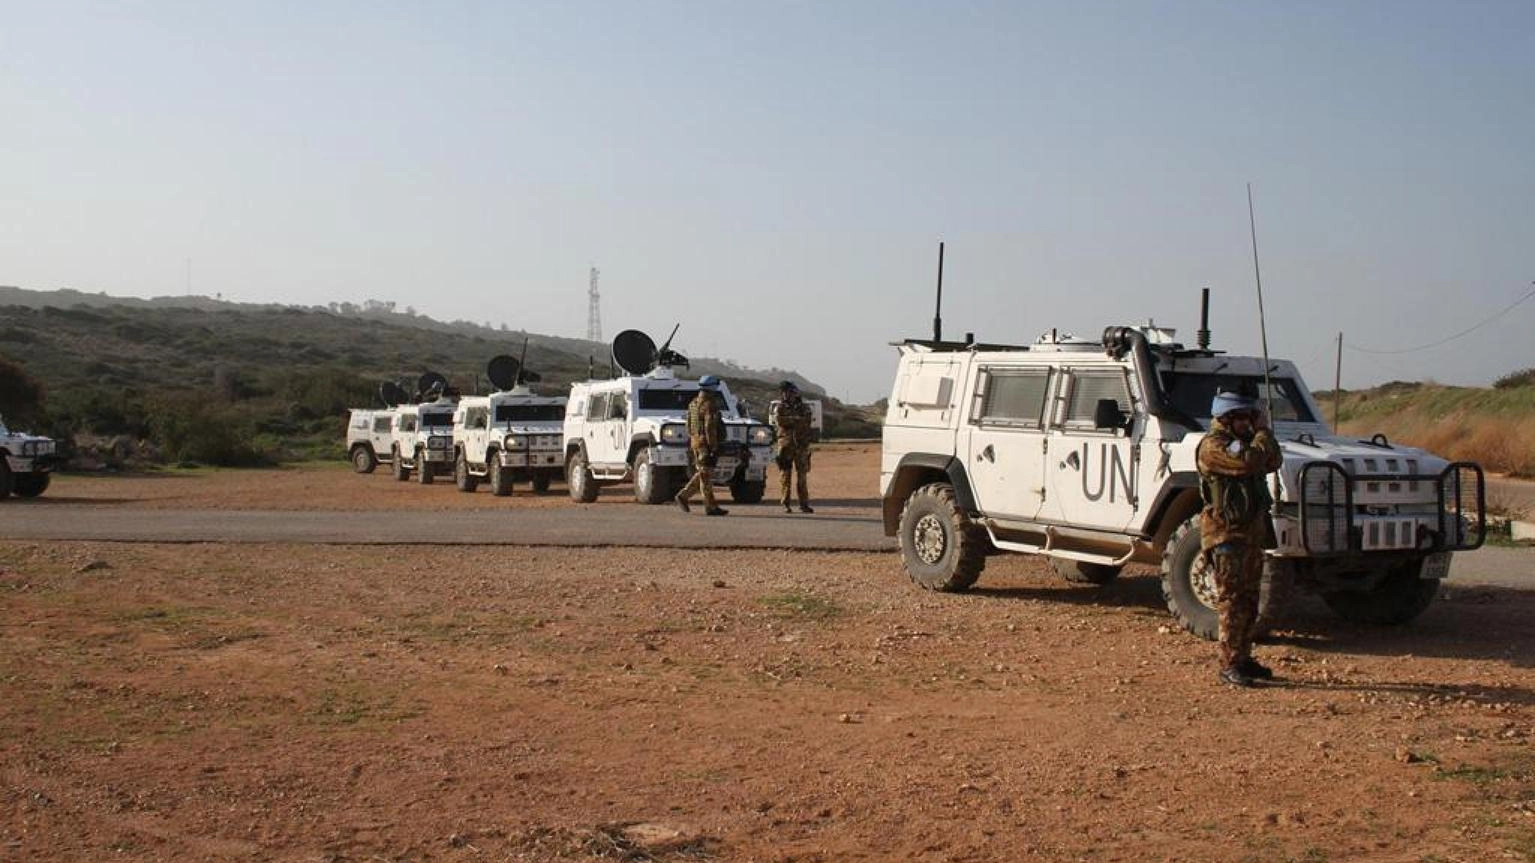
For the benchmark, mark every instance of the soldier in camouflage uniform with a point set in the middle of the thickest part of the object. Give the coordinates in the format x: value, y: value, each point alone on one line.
x: 705, y: 432
x: 793, y: 422
x: 1234, y: 459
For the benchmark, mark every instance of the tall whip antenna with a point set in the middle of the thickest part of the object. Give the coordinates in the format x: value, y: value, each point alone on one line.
x: 1252, y: 223
x: 938, y: 305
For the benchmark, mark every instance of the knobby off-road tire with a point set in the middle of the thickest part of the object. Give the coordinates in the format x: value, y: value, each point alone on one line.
x: 31, y: 484
x: 363, y: 460
x: 7, y: 481
x: 1398, y: 599
x: 541, y: 481
x: 398, y: 467
x: 1188, y: 586
x: 649, y: 481
x: 501, y: 480
x: 578, y: 477
x: 941, y: 548
x: 1084, y: 572
x: 462, y: 478
x: 425, y: 471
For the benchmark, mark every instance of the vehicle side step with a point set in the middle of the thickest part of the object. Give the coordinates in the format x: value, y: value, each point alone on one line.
x: 1050, y: 549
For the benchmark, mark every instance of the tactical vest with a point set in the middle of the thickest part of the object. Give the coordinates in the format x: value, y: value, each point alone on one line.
x: 1235, y: 500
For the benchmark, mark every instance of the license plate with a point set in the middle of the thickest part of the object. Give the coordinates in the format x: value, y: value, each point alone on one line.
x: 1437, y: 565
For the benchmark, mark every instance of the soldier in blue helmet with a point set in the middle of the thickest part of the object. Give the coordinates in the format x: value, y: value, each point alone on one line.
x: 705, y: 433
x: 1234, y: 459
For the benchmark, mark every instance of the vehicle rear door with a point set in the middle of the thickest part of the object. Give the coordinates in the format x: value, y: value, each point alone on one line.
x: 1007, y: 435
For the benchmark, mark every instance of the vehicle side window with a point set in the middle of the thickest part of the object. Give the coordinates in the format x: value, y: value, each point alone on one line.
x: 361, y: 422
x: 620, y: 407
x: 1087, y: 388
x: 597, y: 408
x: 407, y: 424
x: 381, y: 424
x: 1011, y: 397
x: 477, y: 418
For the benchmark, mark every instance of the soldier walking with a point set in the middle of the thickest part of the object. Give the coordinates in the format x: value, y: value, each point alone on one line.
x: 705, y: 432
x: 1234, y: 459
x: 793, y: 422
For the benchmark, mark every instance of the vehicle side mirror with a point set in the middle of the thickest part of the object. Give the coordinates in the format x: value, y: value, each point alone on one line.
x: 1107, y: 415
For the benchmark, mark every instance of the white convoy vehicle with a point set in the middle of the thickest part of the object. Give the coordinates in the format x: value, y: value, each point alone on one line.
x: 422, y: 434
x: 26, y: 463
x: 369, y: 438
x: 1084, y: 452
x: 636, y: 427
x: 509, y: 436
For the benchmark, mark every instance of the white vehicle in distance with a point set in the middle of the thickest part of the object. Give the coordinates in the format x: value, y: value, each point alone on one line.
x: 512, y: 435
x: 422, y: 436
x: 636, y: 427
x: 26, y: 463
x: 369, y: 437
x: 1084, y: 452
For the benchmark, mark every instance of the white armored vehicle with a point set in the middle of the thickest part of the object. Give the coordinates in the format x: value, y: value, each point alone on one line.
x: 26, y: 463
x: 369, y: 438
x: 636, y: 427
x: 1083, y: 451
x: 508, y: 436
x: 422, y: 435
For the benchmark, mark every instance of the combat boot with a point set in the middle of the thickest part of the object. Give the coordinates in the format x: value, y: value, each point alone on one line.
x: 1235, y: 676
x: 1255, y: 669
x: 787, y: 508
x: 716, y: 510
x: 682, y: 503
x: 805, y: 507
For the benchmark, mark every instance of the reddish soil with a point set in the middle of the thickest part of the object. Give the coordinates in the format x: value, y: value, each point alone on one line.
x: 296, y: 703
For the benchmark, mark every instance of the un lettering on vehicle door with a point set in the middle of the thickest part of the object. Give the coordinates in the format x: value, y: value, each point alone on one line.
x: 1093, y: 462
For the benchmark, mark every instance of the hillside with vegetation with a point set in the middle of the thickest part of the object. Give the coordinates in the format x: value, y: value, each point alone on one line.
x: 197, y: 379
x: 1491, y: 425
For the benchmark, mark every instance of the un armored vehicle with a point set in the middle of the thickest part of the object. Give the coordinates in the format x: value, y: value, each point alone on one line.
x: 369, y: 438
x: 634, y: 427
x: 26, y: 463
x: 421, y: 438
x: 1083, y: 451
x: 512, y: 435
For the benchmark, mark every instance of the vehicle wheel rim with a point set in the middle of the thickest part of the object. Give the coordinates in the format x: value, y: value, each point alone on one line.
x: 1202, y: 581
x: 929, y: 539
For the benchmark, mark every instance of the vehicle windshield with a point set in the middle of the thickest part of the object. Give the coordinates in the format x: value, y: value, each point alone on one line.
x: 1192, y: 393
x: 436, y: 420
x: 666, y: 400
x: 529, y: 413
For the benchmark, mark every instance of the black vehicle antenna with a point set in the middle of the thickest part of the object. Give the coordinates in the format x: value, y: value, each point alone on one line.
x: 938, y: 306
x: 1204, y: 319
x: 522, y: 361
x: 1268, y: 392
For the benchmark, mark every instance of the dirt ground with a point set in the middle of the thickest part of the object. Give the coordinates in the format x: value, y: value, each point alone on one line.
x: 299, y: 703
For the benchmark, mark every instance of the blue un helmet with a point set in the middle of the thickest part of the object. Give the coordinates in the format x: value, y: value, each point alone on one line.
x: 709, y: 382
x: 1226, y: 402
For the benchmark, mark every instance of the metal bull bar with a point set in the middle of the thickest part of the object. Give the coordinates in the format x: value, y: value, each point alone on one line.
x: 1328, y: 513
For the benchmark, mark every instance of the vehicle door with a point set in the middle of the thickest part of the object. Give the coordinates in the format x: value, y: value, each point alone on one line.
x: 382, y: 434
x: 1007, y: 435
x: 1093, y: 463
x: 618, y: 426
x: 595, y: 431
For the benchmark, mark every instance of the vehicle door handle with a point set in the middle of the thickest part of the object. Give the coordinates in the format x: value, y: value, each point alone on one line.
x: 989, y: 453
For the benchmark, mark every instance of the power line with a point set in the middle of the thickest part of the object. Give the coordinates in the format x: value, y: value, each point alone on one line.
x: 1467, y: 331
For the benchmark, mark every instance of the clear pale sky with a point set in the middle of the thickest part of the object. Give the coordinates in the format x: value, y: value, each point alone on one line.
x: 777, y: 175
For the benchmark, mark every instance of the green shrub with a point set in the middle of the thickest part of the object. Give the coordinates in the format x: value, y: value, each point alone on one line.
x: 192, y: 427
x: 1515, y: 379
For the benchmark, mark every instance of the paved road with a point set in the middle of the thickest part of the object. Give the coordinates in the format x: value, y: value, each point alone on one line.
x: 832, y: 528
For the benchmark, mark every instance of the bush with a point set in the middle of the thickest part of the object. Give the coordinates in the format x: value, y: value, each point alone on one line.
x: 194, y: 428
x: 1515, y: 379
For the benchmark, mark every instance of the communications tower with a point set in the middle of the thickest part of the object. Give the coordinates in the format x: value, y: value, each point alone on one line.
x: 593, y: 310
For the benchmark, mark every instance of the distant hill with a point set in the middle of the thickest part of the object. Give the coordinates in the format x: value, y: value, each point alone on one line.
x: 109, y: 365
x: 1491, y: 425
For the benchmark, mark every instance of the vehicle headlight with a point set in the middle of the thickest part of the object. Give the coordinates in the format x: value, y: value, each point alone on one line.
x: 674, y: 433
x: 761, y: 436
x: 515, y: 441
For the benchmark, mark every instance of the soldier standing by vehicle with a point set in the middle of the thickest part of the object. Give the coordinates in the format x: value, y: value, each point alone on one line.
x: 1234, y: 459
x: 704, y: 436
x: 793, y: 422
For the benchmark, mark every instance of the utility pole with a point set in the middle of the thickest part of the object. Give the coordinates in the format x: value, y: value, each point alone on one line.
x: 593, y: 310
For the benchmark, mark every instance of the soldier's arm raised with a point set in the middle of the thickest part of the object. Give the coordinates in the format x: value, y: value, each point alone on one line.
x: 1228, y: 456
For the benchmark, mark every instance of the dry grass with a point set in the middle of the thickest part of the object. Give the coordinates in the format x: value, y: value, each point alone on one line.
x: 1495, y: 428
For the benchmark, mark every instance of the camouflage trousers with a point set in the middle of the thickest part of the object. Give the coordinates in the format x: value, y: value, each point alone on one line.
x: 797, y: 463
x: 702, y: 481
x: 1238, y: 571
